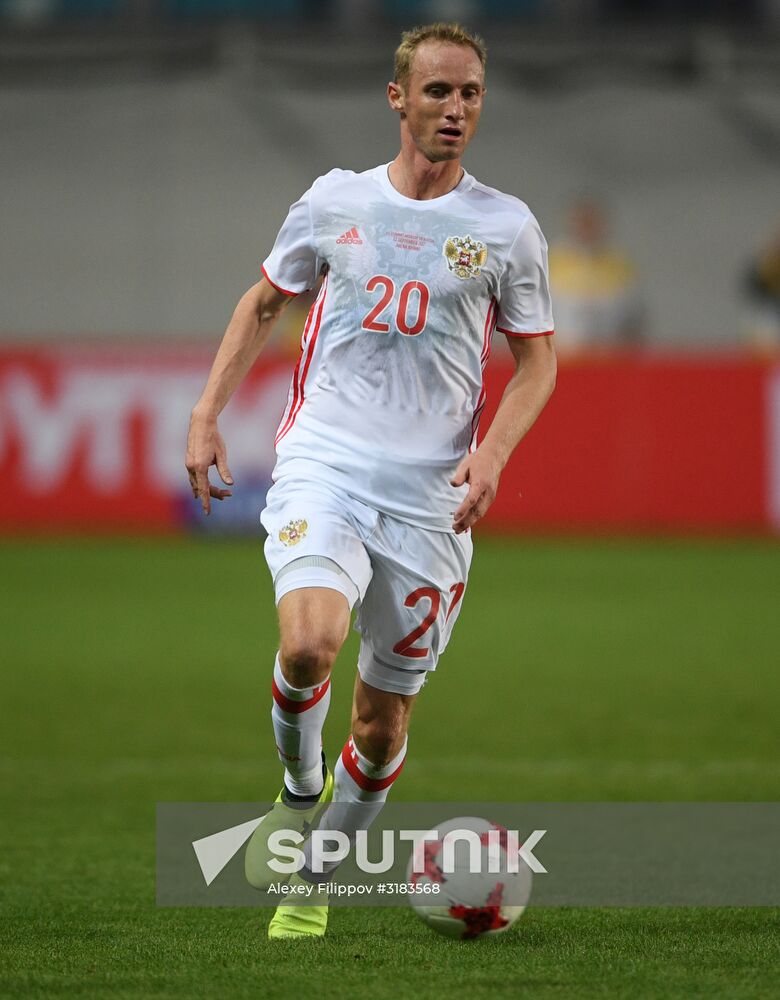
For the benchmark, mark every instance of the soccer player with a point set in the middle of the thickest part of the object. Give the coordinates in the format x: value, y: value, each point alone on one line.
x: 379, y: 478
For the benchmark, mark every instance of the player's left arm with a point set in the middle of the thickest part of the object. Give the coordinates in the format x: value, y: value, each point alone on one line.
x: 524, y: 399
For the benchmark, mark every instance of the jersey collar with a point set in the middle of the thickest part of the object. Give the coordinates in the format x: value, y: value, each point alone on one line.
x: 460, y: 188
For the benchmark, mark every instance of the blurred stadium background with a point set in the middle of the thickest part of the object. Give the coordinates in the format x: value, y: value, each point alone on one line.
x: 150, y: 149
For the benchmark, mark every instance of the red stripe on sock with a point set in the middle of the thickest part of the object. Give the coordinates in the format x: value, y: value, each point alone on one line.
x: 369, y: 784
x: 296, y: 707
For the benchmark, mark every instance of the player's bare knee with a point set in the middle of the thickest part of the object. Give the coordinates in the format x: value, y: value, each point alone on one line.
x: 378, y: 739
x: 307, y: 660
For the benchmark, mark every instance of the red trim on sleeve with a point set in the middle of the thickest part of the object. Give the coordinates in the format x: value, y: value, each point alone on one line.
x: 514, y: 333
x: 277, y: 287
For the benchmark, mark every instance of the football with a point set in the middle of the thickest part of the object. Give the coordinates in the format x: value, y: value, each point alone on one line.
x: 468, y: 892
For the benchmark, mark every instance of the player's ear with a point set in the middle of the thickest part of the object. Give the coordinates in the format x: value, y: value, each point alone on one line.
x: 395, y: 96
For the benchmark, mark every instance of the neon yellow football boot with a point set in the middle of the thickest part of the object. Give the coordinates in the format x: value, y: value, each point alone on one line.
x: 287, y: 814
x: 291, y: 921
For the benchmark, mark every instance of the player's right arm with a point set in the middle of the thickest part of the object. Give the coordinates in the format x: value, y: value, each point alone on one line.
x: 246, y: 335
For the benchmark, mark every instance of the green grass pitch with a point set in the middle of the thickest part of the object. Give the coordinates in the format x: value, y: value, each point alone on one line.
x: 135, y: 672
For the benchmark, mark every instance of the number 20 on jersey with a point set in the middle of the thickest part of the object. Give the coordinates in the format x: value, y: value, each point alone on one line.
x: 410, y: 306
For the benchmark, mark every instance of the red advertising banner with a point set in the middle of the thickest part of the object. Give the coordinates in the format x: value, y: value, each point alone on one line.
x: 648, y: 443
x: 92, y: 439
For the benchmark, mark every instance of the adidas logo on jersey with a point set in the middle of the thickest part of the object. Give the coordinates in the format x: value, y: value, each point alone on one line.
x: 351, y: 236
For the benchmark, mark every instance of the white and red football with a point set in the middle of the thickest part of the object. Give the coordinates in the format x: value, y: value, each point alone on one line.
x: 471, y: 892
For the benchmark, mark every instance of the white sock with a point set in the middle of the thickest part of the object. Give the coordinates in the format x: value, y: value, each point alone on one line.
x: 360, y: 790
x: 298, y: 716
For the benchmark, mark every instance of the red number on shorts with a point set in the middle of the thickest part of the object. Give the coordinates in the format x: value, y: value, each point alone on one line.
x: 369, y: 321
x: 457, y: 591
x: 405, y: 647
x: 402, y: 321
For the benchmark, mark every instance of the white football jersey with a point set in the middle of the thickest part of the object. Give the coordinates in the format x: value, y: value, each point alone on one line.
x: 386, y: 397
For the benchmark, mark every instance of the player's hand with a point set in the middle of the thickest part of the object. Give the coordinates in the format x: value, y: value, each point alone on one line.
x: 482, y: 473
x: 205, y: 448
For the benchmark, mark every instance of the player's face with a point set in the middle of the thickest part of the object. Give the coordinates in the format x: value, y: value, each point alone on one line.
x: 442, y: 100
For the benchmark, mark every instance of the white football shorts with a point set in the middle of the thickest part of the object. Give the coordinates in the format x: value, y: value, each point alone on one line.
x: 408, y: 582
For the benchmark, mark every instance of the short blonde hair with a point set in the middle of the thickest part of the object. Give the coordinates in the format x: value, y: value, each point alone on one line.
x: 439, y: 32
